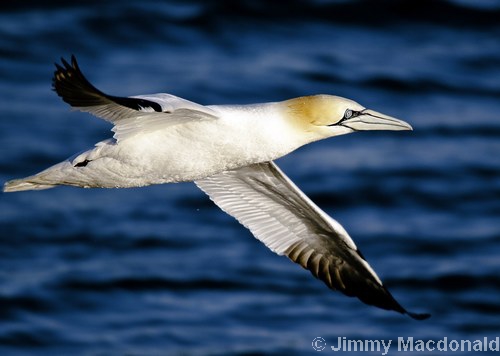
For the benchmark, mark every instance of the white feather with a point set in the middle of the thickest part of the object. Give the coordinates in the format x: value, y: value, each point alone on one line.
x: 268, y: 203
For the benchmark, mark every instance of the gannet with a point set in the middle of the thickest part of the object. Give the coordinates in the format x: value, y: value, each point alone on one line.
x: 228, y: 151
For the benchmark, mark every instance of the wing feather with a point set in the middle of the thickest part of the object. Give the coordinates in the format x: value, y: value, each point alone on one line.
x: 265, y: 200
x: 130, y: 115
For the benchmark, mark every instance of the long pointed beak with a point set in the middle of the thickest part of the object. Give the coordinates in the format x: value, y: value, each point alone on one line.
x: 372, y: 120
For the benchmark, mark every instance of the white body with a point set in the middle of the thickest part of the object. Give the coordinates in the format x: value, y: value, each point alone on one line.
x: 228, y: 152
x: 241, y: 135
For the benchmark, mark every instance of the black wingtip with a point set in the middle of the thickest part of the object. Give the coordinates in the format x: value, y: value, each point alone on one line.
x: 66, y: 64
x: 72, y: 86
x: 417, y: 316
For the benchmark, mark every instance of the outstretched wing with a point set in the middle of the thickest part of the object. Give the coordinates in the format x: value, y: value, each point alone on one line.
x: 130, y: 115
x: 278, y: 213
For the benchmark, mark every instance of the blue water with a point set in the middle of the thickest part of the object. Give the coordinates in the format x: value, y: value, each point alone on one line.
x: 161, y: 270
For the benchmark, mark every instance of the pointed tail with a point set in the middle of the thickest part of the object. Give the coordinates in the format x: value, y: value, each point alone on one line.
x: 18, y: 185
x: 49, y: 178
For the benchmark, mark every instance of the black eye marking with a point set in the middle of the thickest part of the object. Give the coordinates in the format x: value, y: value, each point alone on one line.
x: 348, y: 114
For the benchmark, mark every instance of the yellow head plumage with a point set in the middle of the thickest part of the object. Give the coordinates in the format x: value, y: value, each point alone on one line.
x: 316, y: 114
x: 322, y: 116
x: 319, y: 110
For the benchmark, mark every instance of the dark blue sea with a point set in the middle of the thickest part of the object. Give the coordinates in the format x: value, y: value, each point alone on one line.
x: 161, y: 270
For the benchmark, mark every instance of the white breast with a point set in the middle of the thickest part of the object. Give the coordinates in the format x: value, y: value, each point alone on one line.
x: 241, y: 135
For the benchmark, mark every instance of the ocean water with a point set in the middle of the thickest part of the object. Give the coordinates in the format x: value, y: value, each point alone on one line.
x: 161, y: 270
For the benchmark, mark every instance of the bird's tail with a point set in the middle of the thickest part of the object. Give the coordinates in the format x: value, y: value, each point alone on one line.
x: 18, y: 185
x: 59, y: 174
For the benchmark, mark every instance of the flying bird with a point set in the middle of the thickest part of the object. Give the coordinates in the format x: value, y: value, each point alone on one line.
x: 228, y: 151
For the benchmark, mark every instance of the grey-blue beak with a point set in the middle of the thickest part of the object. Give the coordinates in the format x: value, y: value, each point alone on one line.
x: 372, y: 120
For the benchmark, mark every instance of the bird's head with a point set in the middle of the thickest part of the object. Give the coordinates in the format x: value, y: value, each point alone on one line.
x: 325, y: 116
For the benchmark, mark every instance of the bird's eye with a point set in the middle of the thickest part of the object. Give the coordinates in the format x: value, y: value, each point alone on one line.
x: 348, y: 114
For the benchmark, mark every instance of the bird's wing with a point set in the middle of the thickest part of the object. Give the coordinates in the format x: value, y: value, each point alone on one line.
x: 130, y: 115
x: 278, y: 213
